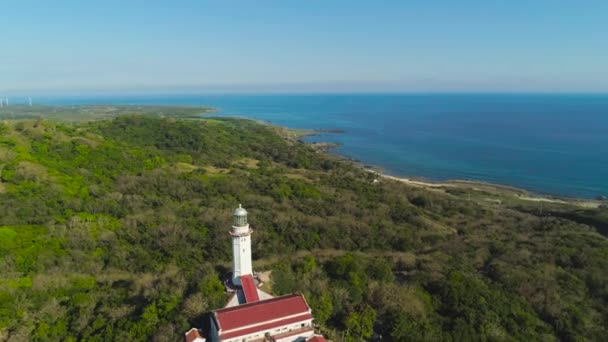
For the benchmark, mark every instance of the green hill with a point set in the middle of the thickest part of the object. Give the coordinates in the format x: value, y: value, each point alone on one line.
x: 117, y: 230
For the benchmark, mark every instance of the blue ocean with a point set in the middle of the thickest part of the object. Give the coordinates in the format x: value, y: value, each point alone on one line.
x: 550, y: 144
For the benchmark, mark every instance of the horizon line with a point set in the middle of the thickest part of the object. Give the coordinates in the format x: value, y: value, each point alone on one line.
x: 131, y: 93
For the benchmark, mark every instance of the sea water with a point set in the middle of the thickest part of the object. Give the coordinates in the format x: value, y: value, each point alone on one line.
x: 553, y: 144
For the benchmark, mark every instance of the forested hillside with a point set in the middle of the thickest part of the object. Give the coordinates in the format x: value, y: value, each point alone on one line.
x: 117, y: 230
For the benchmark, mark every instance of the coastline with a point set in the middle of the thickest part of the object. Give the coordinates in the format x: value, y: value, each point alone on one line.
x: 500, y: 190
x: 208, y: 112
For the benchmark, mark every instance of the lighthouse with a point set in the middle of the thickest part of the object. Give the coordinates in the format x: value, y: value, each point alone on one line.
x: 252, y: 314
x: 241, y: 245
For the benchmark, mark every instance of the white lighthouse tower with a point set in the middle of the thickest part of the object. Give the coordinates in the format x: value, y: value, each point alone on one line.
x: 241, y: 245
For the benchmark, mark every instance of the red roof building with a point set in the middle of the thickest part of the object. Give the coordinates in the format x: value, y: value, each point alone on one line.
x: 285, y: 318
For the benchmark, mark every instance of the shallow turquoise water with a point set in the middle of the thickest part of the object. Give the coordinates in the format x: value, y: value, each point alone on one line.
x: 555, y: 144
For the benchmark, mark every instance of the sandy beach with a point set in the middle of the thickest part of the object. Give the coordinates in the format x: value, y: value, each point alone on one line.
x: 515, y: 193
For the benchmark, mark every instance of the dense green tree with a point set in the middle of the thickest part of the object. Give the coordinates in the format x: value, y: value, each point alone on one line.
x: 360, y: 323
x: 117, y: 230
x: 283, y: 279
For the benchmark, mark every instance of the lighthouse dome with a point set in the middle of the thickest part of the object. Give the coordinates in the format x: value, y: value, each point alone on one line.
x: 240, y: 211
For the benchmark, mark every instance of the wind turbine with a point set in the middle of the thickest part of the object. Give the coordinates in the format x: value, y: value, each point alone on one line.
x: 30, y: 98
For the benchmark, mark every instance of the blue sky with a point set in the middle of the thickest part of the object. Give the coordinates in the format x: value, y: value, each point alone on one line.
x: 74, y: 47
